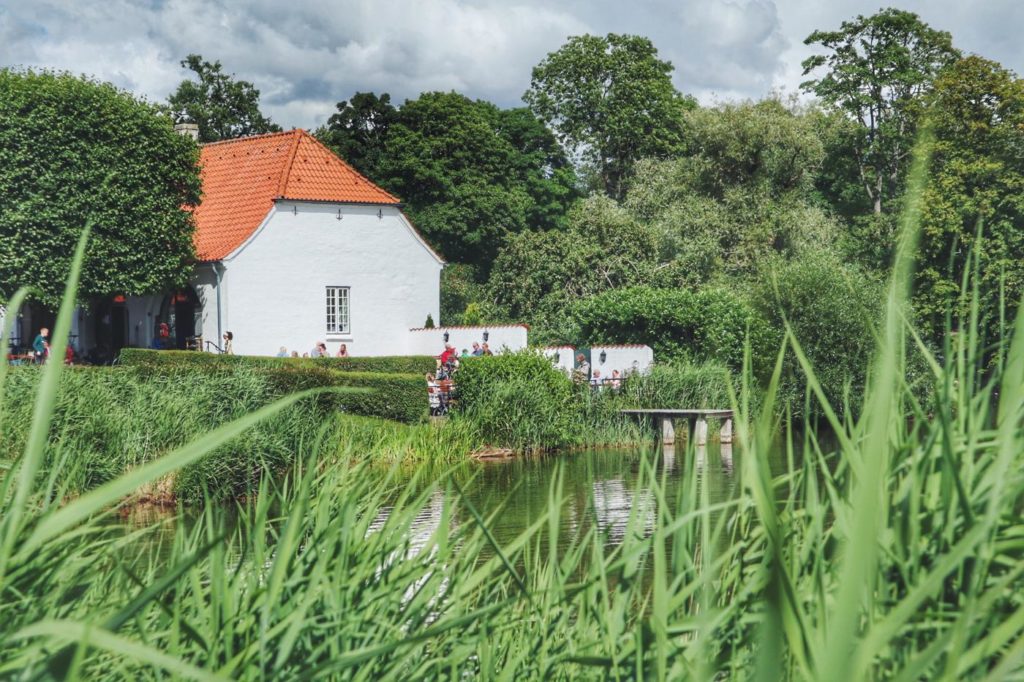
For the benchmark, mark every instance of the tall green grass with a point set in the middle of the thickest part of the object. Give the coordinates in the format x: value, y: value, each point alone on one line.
x: 896, y: 554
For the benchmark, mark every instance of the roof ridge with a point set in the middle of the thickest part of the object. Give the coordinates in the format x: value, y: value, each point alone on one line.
x: 282, y: 183
x: 246, y: 138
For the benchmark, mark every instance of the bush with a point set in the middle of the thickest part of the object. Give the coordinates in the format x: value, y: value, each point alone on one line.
x: 109, y: 420
x: 680, y: 386
x: 832, y: 309
x: 517, y: 400
x: 398, y: 364
x: 708, y: 325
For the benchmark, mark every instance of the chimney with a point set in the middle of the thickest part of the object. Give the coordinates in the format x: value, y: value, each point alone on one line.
x: 188, y: 130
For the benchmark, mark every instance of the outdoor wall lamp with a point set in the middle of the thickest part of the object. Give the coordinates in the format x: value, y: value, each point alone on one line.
x: 487, y: 335
x: 446, y: 337
x: 604, y: 356
x: 380, y: 214
x: 339, y: 214
x: 558, y: 358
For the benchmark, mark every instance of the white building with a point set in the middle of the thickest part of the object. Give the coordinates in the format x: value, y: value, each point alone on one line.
x: 294, y: 247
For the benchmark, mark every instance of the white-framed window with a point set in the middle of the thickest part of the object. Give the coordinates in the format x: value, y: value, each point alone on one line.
x: 338, y: 310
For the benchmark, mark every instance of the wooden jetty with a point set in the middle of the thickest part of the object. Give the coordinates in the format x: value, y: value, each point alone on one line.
x: 698, y: 418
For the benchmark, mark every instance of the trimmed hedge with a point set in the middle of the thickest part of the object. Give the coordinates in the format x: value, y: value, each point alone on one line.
x: 396, y: 364
x: 400, y: 397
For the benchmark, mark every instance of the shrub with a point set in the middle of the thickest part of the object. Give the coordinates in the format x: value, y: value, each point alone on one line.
x: 680, y: 386
x: 517, y: 400
x: 832, y: 309
x: 397, y: 364
x: 679, y: 324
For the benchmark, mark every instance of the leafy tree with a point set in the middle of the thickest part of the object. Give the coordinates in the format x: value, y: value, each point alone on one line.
x: 976, y: 181
x: 832, y: 308
x: 72, y: 151
x: 538, y: 275
x: 744, y: 192
x: 878, y: 69
x: 471, y: 174
x: 358, y: 131
x: 611, y: 102
x: 223, y: 107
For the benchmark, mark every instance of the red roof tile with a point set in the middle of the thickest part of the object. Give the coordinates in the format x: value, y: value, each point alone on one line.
x: 243, y: 177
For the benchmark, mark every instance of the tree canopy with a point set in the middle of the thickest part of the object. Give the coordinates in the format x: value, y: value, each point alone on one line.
x: 610, y: 101
x: 73, y: 151
x: 222, y: 106
x: 468, y: 172
x: 975, y: 187
x: 877, y: 70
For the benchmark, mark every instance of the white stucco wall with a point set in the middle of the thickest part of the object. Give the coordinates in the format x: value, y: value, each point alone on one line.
x: 500, y: 338
x: 562, y: 357
x: 273, y: 287
x: 621, y: 357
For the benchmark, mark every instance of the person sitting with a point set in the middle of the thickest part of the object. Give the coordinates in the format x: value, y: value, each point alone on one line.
x: 486, y: 350
x: 342, y: 351
x: 465, y: 353
x: 282, y: 352
x: 616, y: 380
x: 295, y: 353
x: 318, y: 350
x: 477, y: 350
x: 595, y: 379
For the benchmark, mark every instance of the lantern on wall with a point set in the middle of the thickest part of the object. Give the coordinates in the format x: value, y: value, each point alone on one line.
x: 487, y: 335
x: 445, y: 336
x: 604, y: 356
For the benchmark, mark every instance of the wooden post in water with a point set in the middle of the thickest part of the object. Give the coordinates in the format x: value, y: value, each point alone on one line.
x: 668, y: 432
x: 725, y: 435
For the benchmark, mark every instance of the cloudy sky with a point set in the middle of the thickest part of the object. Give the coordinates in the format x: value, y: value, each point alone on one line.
x: 305, y: 55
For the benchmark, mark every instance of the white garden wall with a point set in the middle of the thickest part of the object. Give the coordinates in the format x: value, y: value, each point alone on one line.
x: 499, y: 338
x: 625, y: 358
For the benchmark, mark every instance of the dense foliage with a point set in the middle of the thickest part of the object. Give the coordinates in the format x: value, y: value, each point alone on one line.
x: 222, y: 106
x: 73, y: 152
x: 679, y: 324
x: 611, y: 101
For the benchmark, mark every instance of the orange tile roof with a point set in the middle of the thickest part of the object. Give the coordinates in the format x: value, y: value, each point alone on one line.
x: 243, y: 177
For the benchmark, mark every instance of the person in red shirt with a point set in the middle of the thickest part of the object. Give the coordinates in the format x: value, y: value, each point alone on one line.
x: 448, y: 355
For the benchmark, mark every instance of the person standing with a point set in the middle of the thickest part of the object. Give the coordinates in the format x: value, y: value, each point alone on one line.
x: 41, y: 346
x: 581, y: 375
x: 228, y: 343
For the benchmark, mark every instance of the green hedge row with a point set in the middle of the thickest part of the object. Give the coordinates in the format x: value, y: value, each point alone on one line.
x: 398, y: 364
x: 400, y: 397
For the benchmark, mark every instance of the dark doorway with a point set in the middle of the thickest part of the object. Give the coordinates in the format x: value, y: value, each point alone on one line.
x: 181, y: 311
x: 111, y: 317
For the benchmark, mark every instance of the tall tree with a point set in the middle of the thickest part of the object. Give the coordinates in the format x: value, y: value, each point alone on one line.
x: 74, y: 150
x: 877, y: 70
x: 359, y: 129
x: 611, y: 102
x: 976, y: 182
x: 222, y: 106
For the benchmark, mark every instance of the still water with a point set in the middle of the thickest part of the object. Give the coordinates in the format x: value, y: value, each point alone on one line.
x: 599, y: 488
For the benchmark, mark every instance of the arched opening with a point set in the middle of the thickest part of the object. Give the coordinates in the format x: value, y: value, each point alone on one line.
x: 182, y: 312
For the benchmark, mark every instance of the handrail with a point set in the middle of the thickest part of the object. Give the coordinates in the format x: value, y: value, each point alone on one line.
x: 211, y: 343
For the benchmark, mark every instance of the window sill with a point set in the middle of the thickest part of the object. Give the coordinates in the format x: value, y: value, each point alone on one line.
x: 339, y: 337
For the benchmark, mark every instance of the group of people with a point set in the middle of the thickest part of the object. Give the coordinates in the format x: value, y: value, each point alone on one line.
x: 582, y: 374
x: 319, y: 351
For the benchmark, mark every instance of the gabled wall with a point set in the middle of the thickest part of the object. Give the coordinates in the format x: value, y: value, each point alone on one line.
x: 273, y: 286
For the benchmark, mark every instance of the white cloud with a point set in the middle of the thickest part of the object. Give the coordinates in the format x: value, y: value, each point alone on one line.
x: 305, y: 55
